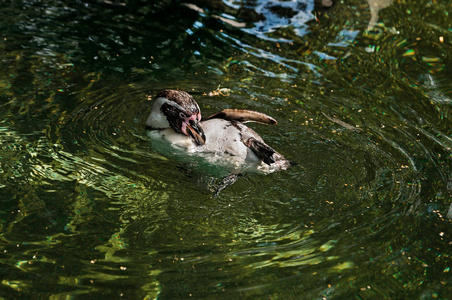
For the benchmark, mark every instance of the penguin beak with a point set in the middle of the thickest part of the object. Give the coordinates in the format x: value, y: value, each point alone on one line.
x: 188, y: 125
x: 195, y: 131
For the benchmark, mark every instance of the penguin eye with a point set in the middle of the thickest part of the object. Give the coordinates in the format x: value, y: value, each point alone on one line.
x: 182, y: 115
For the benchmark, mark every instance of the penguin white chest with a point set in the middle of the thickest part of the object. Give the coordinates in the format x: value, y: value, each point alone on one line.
x: 173, y: 138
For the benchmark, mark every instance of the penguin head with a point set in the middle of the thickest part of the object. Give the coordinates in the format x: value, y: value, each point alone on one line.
x: 177, y: 110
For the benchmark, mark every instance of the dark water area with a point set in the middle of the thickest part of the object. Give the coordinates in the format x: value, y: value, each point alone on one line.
x: 362, y: 91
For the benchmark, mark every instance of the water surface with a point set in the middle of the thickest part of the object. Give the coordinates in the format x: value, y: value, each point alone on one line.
x: 362, y: 92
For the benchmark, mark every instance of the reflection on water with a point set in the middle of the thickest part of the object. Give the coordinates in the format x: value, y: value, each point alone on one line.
x: 362, y: 99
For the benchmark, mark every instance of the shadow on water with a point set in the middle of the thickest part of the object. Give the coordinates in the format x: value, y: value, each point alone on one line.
x: 362, y: 95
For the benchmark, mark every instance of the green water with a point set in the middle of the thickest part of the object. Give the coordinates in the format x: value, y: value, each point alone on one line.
x: 362, y: 92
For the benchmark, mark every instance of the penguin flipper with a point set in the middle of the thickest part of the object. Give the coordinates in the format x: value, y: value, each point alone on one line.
x: 261, y: 149
x: 243, y: 116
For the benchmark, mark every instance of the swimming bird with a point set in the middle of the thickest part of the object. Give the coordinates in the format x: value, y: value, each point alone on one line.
x: 222, y: 139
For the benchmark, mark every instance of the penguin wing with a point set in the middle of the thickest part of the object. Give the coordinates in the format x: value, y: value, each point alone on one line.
x: 243, y: 116
x: 261, y: 149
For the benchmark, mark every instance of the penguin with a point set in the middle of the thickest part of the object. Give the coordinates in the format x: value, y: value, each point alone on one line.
x: 221, y: 139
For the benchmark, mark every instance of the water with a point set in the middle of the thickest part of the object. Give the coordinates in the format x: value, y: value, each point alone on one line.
x: 362, y: 93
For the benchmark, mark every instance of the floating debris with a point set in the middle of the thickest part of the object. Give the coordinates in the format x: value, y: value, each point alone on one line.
x: 342, y: 123
x: 220, y: 92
